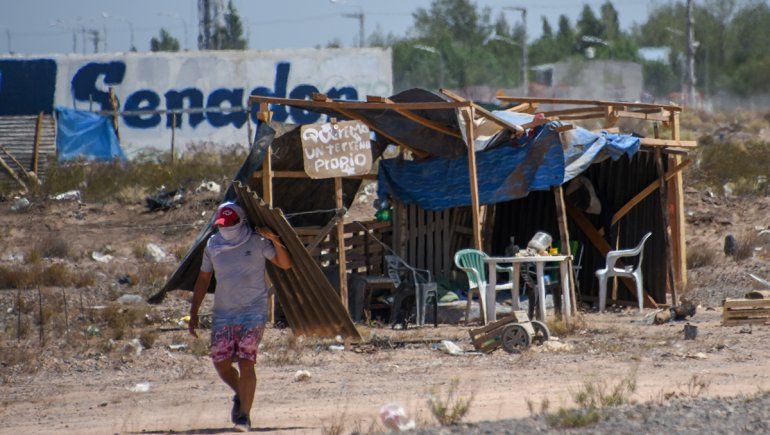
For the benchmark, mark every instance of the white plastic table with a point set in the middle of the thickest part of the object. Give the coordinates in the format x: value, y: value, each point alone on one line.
x: 516, y: 262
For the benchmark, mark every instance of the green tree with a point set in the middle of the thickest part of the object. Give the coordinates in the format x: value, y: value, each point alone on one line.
x: 547, y: 32
x: 230, y: 37
x: 164, y: 42
x: 588, y: 24
x: 610, y: 21
x: 565, y: 37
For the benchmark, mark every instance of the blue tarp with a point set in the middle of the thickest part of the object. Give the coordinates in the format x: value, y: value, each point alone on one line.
x: 86, y: 135
x: 505, y: 172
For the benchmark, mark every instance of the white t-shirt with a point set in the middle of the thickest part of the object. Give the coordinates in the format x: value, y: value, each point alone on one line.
x: 240, y: 273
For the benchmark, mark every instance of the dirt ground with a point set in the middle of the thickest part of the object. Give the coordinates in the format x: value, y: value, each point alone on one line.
x: 74, y: 385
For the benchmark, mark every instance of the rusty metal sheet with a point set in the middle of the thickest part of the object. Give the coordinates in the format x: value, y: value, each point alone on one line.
x: 309, y: 301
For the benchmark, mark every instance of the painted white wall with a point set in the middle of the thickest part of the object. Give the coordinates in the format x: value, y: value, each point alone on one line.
x: 367, y: 70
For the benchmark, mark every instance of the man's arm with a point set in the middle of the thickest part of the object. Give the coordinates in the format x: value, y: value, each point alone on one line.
x: 281, y: 258
x: 199, y: 292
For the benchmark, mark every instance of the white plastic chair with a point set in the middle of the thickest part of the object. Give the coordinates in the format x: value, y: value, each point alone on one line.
x: 628, y: 271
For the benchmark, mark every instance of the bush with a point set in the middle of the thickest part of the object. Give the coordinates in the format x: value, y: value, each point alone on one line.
x: 449, y: 409
x: 700, y: 255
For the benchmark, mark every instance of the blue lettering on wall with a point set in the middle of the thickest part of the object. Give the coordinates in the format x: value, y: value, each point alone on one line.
x: 279, y: 90
x: 142, y: 100
x: 175, y: 100
x: 84, y: 81
x: 28, y: 86
x: 235, y: 99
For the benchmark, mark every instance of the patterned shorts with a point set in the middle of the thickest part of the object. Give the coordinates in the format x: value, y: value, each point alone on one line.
x: 236, y: 342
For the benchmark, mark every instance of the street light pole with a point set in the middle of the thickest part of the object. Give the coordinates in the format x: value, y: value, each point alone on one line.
x: 524, y: 66
x: 360, y: 17
x: 690, y: 54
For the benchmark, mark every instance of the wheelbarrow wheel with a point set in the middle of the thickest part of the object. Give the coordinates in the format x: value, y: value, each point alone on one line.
x: 541, y: 333
x: 515, y: 338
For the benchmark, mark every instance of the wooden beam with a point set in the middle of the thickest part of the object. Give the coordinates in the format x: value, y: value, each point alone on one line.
x: 565, y: 127
x: 595, y: 115
x: 647, y: 191
x: 36, y: 146
x: 500, y: 96
x: 343, y: 273
x: 653, y: 142
x: 13, y: 174
x: 603, y: 247
x: 666, y: 226
x: 17, y: 162
x: 573, y: 111
x: 566, y: 248
x: 358, y: 105
x: 516, y: 129
x: 644, y: 116
x: 416, y: 118
x: 114, y: 104
x: 523, y: 108
x: 679, y: 223
x: 303, y: 175
x: 477, y: 242
x: 535, y: 123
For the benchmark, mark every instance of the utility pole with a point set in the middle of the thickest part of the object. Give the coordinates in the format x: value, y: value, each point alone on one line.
x: 690, y: 54
x: 361, y: 34
x: 524, y: 66
x: 95, y: 39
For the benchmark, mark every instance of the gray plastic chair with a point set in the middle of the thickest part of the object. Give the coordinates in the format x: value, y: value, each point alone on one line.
x: 628, y: 271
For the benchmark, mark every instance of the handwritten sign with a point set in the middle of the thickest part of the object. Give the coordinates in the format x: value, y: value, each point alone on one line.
x: 336, y: 150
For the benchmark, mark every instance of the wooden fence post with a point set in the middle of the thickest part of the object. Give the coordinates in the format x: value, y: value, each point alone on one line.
x: 341, y: 243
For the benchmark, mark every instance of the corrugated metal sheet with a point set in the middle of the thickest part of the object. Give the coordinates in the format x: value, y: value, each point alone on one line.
x: 311, y: 305
x: 17, y: 135
x: 615, y: 184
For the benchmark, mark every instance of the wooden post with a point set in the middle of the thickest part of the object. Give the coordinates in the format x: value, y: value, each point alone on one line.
x: 173, y: 136
x: 469, y: 115
x: 341, y: 243
x: 114, y: 104
x: 248, y: 124
x: 83, y: 316
x: 678, y: 221
x: 36, y: 147
x: 66, y: 314
x: 666, y: 225
x: 566, y: 249
x: 13, y: 174
x: 18, y: 314
x: 40, y: 310
x: 265, y: 115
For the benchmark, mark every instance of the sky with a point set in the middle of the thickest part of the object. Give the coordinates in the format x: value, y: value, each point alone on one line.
x: 47, y: 26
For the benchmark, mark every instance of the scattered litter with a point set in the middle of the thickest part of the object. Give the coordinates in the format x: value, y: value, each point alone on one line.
x: 336, y: 348
x: 764, y: 282
x: 745, y: 330
x: 183, y: 321
x: 20, y: 204
x: 177, y: 346
x: 103, y: 404
x: 699, y: 355
x: 15, y: 256
x: 125, y: 280
x: 450, y: 348
x: 393, y: 417
x: 136, y: 346
x: 93, y: 331
x: 164, y: 200
x: 141, y: 387
x: 690, y: 332
x: 154, y: 252
x: 101, y: 258
x: 70, y: 195
x: 209, y: 186
x: 552, y: 346
x: 731, y: 245
x: 338, y: 339
x: 301, y: 376
x: 130, y: 299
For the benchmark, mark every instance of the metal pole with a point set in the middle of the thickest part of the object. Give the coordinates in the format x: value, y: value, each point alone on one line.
x: 524, y: 67
x: 8, y: 36
x: 690, y: 54
x: 361, y: 33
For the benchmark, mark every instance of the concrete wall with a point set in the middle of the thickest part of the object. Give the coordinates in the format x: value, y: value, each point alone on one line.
x: 212, y: 80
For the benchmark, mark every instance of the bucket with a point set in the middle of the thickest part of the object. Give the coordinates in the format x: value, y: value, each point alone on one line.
x: 690, y: 332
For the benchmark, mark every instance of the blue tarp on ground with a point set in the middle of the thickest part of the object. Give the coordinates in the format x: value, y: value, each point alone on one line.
x: 86, y: 135
x: 505, y: 172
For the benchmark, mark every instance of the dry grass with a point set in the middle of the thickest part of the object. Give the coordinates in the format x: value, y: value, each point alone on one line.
x: 23, y: 277
x: 285, y: 350
x: 745, y: 244
x: 119, y: 319
x: 591, y: 399
x: 448, y: 407
x: 131, y: 181
x: 697, y: 385
x: 147, y: 338
x: 743, y: 164
x: 560, y: 328
x: 700, y: 255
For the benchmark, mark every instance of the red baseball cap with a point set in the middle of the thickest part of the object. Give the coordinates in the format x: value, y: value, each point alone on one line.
x: 226, y: 217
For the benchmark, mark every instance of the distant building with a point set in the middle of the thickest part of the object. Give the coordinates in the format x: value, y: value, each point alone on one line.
x: 654, y: 54
x: 591, y: 79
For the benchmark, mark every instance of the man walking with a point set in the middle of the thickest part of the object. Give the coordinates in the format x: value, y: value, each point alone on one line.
x: 236, y: 255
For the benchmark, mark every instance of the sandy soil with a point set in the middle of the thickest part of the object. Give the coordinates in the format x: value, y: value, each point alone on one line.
x: 73, y: 386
